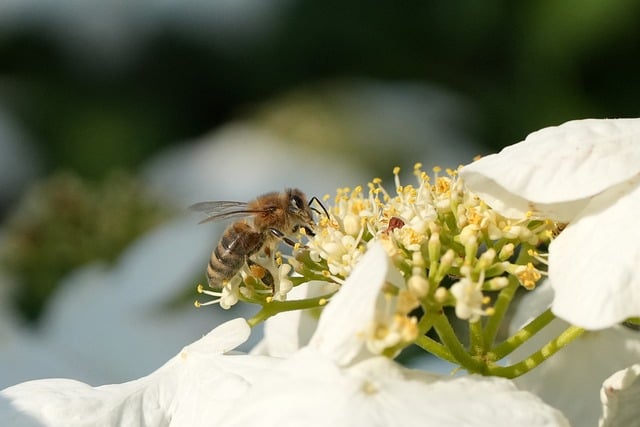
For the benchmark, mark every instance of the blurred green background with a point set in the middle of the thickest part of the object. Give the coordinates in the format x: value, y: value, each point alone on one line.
x: 92, y: 105
x: 98, y: 86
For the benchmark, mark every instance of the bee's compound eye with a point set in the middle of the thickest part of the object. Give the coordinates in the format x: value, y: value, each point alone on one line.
x: 296, y: 202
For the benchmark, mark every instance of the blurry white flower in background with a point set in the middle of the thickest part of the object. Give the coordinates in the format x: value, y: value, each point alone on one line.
x: 374, y: 124
x: 240, y: 162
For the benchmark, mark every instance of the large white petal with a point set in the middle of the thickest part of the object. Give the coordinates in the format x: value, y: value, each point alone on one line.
x: 555, y: 169
x: 620, y: 396
x: 310, y: 390
x: 343, y: 322
x: 593, y: 264
x: 199, y: 371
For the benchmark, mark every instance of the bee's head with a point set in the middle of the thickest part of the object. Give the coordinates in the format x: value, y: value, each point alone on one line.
x: 299, y: 212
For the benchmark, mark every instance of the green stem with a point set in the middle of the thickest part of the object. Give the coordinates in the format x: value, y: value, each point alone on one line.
x: 432, y: 346
x: 500, y: 309
x: 274, y: 307
x: 539, y: 356
x: 520, y: 337
x: 504, y: 300
x: 476, y: 338
x: 425, y: 323
x: 450, y: 340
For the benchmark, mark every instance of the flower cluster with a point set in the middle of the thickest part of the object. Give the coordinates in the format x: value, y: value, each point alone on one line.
x: 449, y: 250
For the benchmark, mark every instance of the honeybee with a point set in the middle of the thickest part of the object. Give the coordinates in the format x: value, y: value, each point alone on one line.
x: 270, y: 218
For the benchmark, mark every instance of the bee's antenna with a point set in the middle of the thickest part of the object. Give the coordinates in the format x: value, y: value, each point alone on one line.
x: 315, y: 199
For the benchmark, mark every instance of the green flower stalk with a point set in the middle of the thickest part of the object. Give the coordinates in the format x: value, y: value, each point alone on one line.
x: 453, y: 256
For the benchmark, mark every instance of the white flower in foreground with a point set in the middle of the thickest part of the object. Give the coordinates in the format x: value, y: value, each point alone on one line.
x: 192, y: 389
x: 572, y: 378
x: 334, y: 380
x: 585, y: 173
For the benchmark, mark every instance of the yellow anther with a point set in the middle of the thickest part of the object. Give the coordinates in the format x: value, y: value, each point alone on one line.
x: 528, y: 276
x: 443, y: 185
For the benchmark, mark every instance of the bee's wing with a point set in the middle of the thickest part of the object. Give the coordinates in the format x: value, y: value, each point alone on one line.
x: 222, y: 209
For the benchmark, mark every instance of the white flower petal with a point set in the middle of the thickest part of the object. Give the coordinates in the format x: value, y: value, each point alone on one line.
x: 555, y: 169
x: 61, y: 402
x: 620, y: 395
x: 285, y: 333
x: 223, y: 338
x: 343, y: 322
x: 281, y: 334
x: 169, y: 393
x: 593, y: 264
x: 310, y: 390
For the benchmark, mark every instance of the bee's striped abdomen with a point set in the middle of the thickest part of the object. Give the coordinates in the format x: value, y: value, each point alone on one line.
x: 238, y: 242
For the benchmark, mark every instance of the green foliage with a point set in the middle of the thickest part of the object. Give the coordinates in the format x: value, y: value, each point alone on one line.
x: 65, y: 222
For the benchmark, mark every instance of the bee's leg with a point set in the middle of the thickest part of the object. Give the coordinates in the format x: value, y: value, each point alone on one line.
x: 280, y: 235
x: 307, y: 230
x: 261, y: 273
